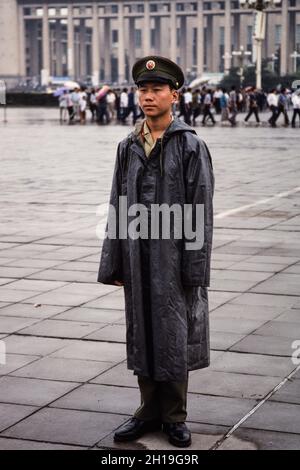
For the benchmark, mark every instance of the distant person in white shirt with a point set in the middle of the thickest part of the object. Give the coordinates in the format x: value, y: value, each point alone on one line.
x: 216, y: 99
x: 296, y: 106
x: 124, y: 105
x: 188, y: 99
x: 75, y: 96
x: 111, y: 104
x: 272, y: 100
x: 63, y: 106
x: 82, y: 108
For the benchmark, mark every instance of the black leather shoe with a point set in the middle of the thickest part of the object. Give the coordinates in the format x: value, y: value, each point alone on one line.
x: 135, y: 428
x: 179, y: 434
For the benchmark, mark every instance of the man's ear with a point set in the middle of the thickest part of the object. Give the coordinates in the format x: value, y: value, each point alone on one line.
x: 175, y: 95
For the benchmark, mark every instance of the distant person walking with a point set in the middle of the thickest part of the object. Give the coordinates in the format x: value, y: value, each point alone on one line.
x: 63, y: 106
x: 224, y: 105
x: 253, y: 105
x: 188, y: 100
x: 207, y: 114
x: 272, y: 100
x: 296, y: 108
x: 283, y: 107
x: 232, y: 104
x: 124, y: 105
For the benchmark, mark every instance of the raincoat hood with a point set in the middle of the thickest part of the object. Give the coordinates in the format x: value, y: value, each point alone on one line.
x: 176, y: 126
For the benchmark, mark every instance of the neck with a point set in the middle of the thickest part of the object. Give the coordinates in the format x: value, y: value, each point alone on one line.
x: 158, y: 124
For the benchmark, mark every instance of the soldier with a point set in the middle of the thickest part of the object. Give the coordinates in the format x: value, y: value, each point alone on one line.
x: 162, y: 161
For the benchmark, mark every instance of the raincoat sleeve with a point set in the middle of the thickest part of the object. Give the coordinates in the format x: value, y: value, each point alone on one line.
x: 199, y: 182
x: 110, y: 269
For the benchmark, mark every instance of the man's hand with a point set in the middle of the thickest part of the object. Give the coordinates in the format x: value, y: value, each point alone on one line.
x: 118, y: 283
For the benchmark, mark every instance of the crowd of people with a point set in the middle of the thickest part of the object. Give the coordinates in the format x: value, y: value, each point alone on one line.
x: 106, y: 105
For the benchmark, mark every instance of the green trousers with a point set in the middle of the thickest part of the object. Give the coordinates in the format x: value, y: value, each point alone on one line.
x: 165, y: 401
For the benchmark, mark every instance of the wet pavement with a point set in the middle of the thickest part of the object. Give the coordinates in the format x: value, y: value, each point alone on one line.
x: 64, y: 382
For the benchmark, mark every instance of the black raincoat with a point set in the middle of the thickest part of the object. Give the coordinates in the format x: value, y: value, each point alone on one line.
x: 165, y: 285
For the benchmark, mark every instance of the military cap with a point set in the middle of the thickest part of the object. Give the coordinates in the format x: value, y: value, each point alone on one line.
x: 157, y: 69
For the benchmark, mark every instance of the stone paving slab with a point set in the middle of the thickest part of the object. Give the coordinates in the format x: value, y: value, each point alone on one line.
x: 280, y: 329
x: 115, y: 333
x: 230, y: 384
x: 7, y: 280
x: 93, y: 315
x: 73, y: 370
x: 106, y: 302
x: 230, y: 325
x: 15, y: 324
x: 247, y: 312
x: 31, y: 310
x: 292, y: 315
x: 222, y: 341
x: 118, y: 376
x: 66, y: 426
x: 269, y: 345
x: 102, y: 398
x: 249, y: 439
x: 35, y: 285
x: 14, y: 295
x: 284, y: 417
x: 253, y: 364
x: 61, y: 275
x: 14, y: 362
x: 289, y: 393
x: 11, y: 414
x: 34, y: 345
x: 33, y: 392
x: 217, y: 410
x: 23, y: 444
x: 93, y: 350
x: 266, y: 300
x: 61, y: 329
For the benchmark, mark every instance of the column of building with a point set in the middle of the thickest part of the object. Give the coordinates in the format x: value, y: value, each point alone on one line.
x: 200, y: 38
x: 70, y: 42
x: 173, y: 32
x: 227, y: 52
x: 131, y: 39
x: 146, y: 29
x: 284, y: 38
x: 58, y: 40
x: 183, y: 42
x: 121, y: 40
x: 95, y: 46
x: 45, y: 72
x: 22, y: 51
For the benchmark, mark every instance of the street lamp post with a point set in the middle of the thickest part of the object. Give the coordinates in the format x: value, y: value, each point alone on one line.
x: 295, y: 55
x: 242, y: 54
x: 227, y: 59
x: 273, y: 60
x: 259, y: 30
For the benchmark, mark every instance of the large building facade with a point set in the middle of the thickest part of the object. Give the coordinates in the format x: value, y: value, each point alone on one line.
x: 102, y: 39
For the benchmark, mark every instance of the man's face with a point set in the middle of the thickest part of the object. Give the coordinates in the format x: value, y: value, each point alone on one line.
x: 156, y: 99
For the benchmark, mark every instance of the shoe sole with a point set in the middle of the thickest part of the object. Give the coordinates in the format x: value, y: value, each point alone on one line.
x: 129, y: 438
x: 180, y: 444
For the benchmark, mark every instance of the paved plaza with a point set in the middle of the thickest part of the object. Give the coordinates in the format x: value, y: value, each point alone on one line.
x: 63, y: 377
